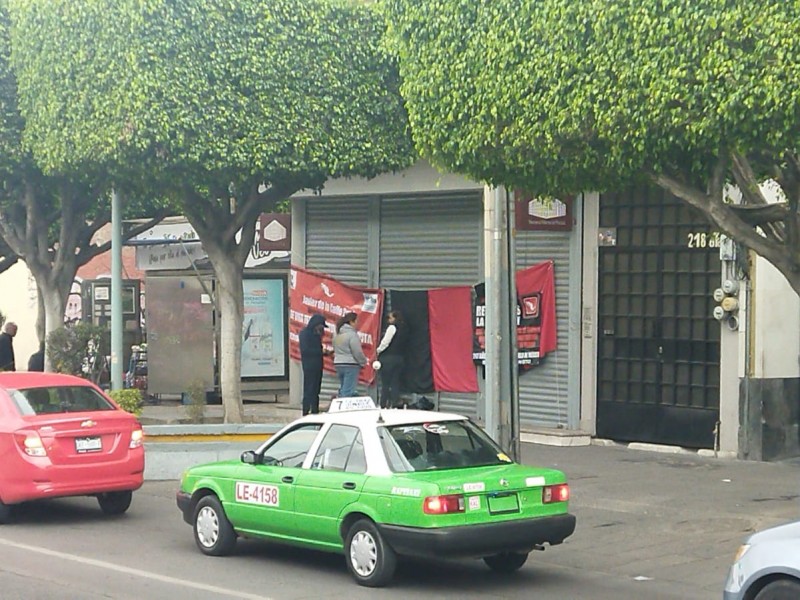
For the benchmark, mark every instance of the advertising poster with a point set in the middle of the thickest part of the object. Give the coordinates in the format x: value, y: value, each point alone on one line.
x: 263, y: 343
x: 536, y: 316
x: 314, y: 293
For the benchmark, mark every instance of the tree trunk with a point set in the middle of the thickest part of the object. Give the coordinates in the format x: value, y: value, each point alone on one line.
x: 230, y: 300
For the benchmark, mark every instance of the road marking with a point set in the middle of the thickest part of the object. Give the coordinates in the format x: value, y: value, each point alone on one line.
x: 136, y: 572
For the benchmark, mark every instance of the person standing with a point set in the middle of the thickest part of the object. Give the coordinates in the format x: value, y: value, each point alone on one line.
x: 7, y: 362
x: 391, y: 354
x: 348, y: 355
x: 36, y: 361
x: 311, y: 357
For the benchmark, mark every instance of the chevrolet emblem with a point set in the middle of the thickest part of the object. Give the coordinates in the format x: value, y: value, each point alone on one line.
x: 88, y: 423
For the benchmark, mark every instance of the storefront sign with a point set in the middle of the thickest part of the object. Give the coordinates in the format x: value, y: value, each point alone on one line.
x: 542, y: 213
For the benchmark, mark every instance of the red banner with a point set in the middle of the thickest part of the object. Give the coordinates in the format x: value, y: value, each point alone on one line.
x: 314, y: 293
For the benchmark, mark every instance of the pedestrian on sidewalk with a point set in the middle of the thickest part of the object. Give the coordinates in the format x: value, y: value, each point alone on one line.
x: 36, y: 361
x: 312, y: 355
x: 348, y: 355
x: 391, y: 354
x: 7, y: 362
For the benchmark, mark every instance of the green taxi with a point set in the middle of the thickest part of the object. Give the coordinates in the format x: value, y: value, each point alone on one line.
x: 378, y: 484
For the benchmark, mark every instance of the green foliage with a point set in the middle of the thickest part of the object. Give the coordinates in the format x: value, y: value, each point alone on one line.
x: 129, y: 400
x: 79, y: 349
x: 210, y: 91
x: 563, y: 96
x: 196, y: 409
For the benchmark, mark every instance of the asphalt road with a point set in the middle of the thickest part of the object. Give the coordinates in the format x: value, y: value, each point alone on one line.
x: 649, y: 526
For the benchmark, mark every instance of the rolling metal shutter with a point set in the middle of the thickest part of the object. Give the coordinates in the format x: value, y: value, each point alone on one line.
x: 337, y: 245
x: 543, y: 390
x: 336, y: 238
x: 429, y: 242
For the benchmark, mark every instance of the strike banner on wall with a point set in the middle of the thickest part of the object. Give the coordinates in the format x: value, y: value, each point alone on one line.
x: 315, y: 293
x: 536, y: 316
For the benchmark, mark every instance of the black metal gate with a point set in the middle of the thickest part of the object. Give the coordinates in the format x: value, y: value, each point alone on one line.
x: 658, y: 355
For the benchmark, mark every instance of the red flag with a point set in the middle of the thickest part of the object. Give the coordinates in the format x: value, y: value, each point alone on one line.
x: 450, y: 322
x: 537, y: 299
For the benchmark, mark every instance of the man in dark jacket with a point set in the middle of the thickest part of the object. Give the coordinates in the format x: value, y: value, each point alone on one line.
x: 7, y: 362
x: 311, y: 354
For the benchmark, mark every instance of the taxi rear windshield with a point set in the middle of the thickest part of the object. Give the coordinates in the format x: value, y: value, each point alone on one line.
x: 440, y: 445
x: 61, y: 399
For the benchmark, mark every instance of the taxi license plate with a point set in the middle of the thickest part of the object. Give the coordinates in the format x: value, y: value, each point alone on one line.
x: 88, y: 444
x: 503, y: 503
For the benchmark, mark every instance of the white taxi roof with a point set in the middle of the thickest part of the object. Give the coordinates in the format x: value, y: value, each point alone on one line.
x: 389, y: 416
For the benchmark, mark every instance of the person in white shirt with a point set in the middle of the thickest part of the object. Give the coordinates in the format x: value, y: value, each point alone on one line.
x: 391, y: 353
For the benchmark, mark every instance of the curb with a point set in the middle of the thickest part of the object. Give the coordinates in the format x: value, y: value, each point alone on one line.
x: 229, y: 432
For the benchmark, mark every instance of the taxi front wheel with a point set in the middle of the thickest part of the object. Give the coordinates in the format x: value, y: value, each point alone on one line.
x: 781, y: 589
x: 370, y: 559
x: 507, y: 562
x: 213, y: 533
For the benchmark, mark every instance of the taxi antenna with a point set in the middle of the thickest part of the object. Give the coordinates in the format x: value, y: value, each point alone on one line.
x: 380, y: 416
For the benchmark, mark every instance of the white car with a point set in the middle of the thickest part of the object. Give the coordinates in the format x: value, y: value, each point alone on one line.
x: 767, y: 566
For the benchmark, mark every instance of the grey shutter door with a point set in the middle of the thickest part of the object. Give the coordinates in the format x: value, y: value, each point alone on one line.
x: 543, y: 390
x: 430, y: 242
x: 336, y: 244
x: 336, y: 238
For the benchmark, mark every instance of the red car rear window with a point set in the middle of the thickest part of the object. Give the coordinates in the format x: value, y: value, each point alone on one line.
x: 62, y: 399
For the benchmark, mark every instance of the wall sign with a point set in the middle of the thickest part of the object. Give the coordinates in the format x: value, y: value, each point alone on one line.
x: 542, y: 213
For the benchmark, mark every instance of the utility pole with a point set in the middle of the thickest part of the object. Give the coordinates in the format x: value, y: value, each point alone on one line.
x: 502, y: 407
x: 116, y: 291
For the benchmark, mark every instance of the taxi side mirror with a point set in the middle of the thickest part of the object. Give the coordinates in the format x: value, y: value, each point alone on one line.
x: 249, y: 457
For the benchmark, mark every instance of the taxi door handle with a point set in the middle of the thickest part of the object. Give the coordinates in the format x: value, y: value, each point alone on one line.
x: 349, y: 485
x: 287, y: 479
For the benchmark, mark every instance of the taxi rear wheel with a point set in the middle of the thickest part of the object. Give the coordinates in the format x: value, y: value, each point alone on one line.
x: 783, y: 589
x: 115, y: 503
x: 507, y: 562
x: 370, y: 559
x: 213, y: 533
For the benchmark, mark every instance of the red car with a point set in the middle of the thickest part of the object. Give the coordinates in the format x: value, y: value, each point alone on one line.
x: 62, y: 436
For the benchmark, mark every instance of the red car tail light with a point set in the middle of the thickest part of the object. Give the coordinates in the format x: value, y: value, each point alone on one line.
x: 555, y: 493
x: 137, y: 437
x: 31, y: 443
x: 440, y: 505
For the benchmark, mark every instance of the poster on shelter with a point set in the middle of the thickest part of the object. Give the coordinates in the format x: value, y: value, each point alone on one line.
x: 315, y: 293
x: 263, y: 341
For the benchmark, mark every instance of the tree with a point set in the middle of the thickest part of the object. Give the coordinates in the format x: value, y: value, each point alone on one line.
x: 47, y: 220
x: 559, y: 96
x: 231, y: 106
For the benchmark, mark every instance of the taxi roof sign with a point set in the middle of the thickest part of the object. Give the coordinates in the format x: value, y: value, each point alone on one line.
x: 353, y: 403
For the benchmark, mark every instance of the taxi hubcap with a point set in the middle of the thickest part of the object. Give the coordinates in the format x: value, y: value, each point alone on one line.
x: 207, y: 526
x: 363, y: 553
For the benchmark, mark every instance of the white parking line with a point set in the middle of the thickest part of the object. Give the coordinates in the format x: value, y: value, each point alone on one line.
x: 135, y: 572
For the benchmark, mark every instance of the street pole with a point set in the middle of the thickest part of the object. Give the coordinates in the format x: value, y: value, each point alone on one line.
x: 501, y: 360
x: 116, y: 292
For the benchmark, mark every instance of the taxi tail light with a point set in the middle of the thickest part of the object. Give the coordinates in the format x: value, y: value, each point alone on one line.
x: 30, y: 443
x: 137, y: 438
x: 555, y: 493
x: 442, y: 505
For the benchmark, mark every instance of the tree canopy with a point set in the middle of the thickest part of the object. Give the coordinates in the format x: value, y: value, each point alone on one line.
x: 558, y: 96
x: 230, y: 107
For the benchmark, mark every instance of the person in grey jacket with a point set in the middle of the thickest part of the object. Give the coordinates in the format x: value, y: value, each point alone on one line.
x: 348, y: 356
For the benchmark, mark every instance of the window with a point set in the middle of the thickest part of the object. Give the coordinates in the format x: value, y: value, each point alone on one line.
x: 341, y: 450
x: 54, y: 400
x: 439, y: 445
x: 291, y: 448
